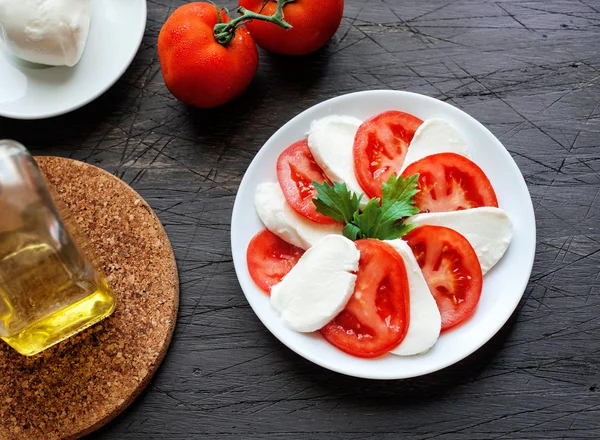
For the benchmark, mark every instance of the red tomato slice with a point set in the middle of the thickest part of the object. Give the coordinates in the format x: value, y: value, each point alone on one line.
x: 450, y: 182
x: 296, y: 170
x: 380, y: 145
x: 451, y: 269
x: 270, y: 259
x: 376, y: 317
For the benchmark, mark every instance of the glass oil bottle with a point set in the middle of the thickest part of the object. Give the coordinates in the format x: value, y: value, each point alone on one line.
x: 49, y: 290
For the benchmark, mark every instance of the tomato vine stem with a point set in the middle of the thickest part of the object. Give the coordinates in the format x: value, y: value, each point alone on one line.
x: 224, y: 32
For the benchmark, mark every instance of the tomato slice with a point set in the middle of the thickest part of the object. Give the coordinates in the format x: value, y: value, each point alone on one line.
x: 380, y: 145
x: 270, y: 258
x: 296, y: 170
x: 376, y: 317
x: 450, y: 182
x: 451, y: 269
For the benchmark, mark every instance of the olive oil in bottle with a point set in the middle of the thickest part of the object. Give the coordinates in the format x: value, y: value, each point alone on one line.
x: 49, y: 290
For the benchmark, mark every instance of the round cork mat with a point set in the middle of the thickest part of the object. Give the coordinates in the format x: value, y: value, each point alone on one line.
x: 79, y: 385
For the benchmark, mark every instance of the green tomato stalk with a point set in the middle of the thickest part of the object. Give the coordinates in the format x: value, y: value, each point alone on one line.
x: 224, y: 32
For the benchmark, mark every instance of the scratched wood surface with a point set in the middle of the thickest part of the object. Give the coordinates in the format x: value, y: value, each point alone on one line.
x: 528, y: 70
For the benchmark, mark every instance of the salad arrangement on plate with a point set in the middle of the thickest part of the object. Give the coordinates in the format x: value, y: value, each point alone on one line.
x: 377, y: 233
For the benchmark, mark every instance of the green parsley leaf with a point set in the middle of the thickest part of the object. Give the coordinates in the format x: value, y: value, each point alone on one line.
x: 398, y: 198
x: 397, y: 188
x: 381, y: 219
x: 351, y: 232
x: 336, y: 201
x: 400, y: 230
x: 369, y: 219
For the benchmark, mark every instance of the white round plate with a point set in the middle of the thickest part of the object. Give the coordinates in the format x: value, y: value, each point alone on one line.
x: 503, y: 286
x: 34, y: 91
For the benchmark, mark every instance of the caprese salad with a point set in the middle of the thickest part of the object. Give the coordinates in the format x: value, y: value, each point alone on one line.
x: 377, y: 233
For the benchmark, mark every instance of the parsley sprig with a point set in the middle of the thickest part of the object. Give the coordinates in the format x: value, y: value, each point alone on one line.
x: 380, y: 218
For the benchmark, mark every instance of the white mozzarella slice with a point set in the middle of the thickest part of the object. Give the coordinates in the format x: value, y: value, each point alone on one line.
x: 281, y: 219
x: 331, y: 142
x: 52, y: 32
x: 425, y: 320
x: 434, y: 136
x: 317, y: 289
x: 488, y: 229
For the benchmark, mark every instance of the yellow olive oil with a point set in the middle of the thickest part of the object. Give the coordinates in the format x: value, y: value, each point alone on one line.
x: 48, y: 290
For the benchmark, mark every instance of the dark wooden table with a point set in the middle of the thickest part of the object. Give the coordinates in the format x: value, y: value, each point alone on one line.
x: 528, y: 70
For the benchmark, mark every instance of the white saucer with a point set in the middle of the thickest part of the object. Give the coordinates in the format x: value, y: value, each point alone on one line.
x: 503, y: 286
x: 33, y: 91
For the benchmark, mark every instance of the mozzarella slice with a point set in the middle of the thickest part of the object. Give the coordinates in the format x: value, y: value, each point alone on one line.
x: 425, y: 320
x: 52, y: 32
x: 317, y: 289
x: 434, y: 136
x: 281, y: 219
x: 488, y: 229
x: 331, y: 142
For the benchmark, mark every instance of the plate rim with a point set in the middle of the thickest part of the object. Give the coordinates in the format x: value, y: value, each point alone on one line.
x: 529, y: 215
x: 99, y: 92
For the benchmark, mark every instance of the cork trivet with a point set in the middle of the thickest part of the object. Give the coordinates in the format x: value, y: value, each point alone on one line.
x: 80, y: 384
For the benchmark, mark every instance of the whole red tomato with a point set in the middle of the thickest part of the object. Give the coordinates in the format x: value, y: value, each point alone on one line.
x: 196, y: 68
x: 313, y: 23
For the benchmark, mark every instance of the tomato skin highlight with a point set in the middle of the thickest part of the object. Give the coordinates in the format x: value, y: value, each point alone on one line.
x: 451, y: 269
x: 296, y: 170
x: 450, y: 182
x: 376, y: 317
x: 313, y: 22
x: 197, y: 70
x: 380, y: 146
x: 270, y: 258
